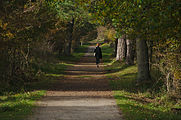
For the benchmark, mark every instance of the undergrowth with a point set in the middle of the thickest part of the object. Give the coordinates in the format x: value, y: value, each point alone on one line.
x: 145, y: 101
x: 75, y: 56
x: 106, y: 53
x: 17, y: 105
x: 139, y: 102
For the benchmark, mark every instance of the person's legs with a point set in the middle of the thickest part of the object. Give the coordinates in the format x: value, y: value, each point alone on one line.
x: 97, y: 62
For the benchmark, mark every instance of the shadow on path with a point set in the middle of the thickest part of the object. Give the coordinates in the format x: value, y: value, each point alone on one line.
x: 82, y: 94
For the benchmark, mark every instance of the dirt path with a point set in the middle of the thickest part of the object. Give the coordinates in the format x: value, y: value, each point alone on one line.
x: 83, y: 94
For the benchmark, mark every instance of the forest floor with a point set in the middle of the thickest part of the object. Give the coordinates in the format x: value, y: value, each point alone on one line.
x: 82, y: 93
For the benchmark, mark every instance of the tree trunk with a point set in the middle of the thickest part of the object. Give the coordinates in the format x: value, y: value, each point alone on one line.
x: 81, y: 43
x: 75, y: 42
x: 130, y: 52
x: 121, y: 49
x: 66, y: 50
x: 68, y: 42
x: 142, y: 60
x: 150, y: 53
x: 115, y: 48
x: 168, y: 82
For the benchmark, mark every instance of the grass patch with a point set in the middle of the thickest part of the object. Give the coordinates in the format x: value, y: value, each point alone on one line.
x: 18, y: 106
x: 49, y: 75
x: 47, y: 83
x: 84, y: 76
x: 138, y: 102
x: 137, y: 107
x: 54, y: 69
x: 52, y: 72
x: 107, y: 53
x: 144, y: 101
x: 76, y: 56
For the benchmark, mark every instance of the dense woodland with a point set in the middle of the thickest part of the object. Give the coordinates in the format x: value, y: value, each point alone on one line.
x: 33, y: 31
x: 143, y: 32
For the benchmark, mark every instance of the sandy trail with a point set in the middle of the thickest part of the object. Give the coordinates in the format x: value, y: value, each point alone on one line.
x: 83, y: 94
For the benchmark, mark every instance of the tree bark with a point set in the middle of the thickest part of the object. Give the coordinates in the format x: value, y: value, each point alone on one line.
x: 130, y: 52
x: 142, y: 60
x: 71, y: 36
x: 121, y: 49
x: 76, y: 41
x: 66, y: 50
x: 115, y: 48
x: 150, y: 53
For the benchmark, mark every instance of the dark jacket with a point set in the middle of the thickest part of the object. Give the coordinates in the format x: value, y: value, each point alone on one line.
x: 98, y: 52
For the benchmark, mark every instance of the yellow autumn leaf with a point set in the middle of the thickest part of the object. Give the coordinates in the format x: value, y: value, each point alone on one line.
x: 1, y: 23
x: 177, y: 74
x: 90, y: 14
x: 4, y: 26
x: 9, y: 35
x: 103, y: 13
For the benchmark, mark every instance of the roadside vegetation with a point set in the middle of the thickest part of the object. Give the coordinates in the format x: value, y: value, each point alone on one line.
x: 18, y: 105
x: 146, y: 101
x: 38, y: 41
x: 107, y: 53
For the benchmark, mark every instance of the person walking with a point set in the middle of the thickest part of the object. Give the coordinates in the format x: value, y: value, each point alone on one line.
x: 98, y: 54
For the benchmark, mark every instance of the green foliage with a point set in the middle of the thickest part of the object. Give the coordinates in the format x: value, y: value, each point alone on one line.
x: 157, y: 21
x: 31, y: 33
x: 18, y: 106
x: 168, y: 51
x: 110, y: 35
x: 139, y: 102
x: 139, y: 17
x: 138, y: 107
x: 76, y: 56
x: 23, y: 26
